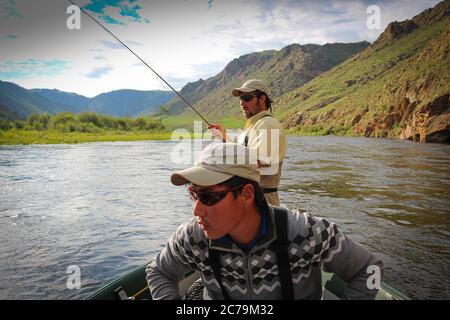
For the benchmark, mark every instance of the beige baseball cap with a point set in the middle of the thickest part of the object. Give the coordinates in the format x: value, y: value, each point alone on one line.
x: 219, y: 162
x: 250, y: 86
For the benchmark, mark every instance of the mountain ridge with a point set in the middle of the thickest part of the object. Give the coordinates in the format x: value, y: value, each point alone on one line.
x: 384, y: 90
x: 18, y: 102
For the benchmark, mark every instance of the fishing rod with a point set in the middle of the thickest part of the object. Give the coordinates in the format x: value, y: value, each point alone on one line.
x: 145, y: 63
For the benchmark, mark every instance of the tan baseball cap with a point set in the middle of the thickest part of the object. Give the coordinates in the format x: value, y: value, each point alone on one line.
x: 250, y: 86
x: 219, y: 162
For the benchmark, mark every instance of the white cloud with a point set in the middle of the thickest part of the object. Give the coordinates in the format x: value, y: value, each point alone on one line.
x: 98, y: 72
x: 110, y: 45
x: 31, y: 68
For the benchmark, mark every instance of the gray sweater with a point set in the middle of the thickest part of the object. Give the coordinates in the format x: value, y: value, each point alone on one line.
x: 315, y: 243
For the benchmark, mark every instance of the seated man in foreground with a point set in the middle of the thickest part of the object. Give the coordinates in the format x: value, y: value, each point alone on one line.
x: 247, y: 249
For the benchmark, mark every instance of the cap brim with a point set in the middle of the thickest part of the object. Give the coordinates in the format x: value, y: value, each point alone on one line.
x: 199, y: 176
x: 238, y: 91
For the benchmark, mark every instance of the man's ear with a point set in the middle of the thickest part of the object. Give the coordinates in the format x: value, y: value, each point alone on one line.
x: 248, y: 194
x: 263, y: 99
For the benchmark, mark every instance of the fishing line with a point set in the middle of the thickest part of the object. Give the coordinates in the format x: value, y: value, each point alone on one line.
x: 145, y: 63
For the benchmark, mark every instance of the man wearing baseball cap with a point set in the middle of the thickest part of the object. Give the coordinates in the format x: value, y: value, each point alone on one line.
x: 262, y: 132
x: 244, y: 248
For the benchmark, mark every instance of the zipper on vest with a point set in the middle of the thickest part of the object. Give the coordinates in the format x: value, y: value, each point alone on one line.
x: 249, y: 280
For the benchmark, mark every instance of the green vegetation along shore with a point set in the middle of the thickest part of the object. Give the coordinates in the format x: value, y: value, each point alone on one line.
x: 91, y: 127
x: 67, y: 127
x: 13, y: 137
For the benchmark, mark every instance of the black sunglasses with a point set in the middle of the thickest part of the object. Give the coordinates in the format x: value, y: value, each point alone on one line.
x: 247, y: 97
x: 209, y: 198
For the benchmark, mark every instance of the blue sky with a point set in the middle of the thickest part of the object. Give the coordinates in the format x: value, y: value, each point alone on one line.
x: 32, y: 68
x: 129, y: 11
x: 184, y: 40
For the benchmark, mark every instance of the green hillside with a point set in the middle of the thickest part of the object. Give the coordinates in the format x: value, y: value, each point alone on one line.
x: 19, y: 102
x: 398, y: 87
x: 133, y: 103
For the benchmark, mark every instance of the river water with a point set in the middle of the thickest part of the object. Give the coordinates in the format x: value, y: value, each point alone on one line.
x: 107, y: 208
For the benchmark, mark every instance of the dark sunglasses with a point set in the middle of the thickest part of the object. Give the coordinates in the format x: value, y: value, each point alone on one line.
x: 209, y: 198
x: 247, y: 97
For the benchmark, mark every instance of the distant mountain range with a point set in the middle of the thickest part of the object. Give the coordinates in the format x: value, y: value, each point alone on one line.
x: 78, y: 102
x: 17, y: 102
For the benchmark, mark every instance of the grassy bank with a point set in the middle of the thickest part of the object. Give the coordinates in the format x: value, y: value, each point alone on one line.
x: 66, y: 127
x: 318, y: 130
x: 14, y: 136
x: 17, y: 136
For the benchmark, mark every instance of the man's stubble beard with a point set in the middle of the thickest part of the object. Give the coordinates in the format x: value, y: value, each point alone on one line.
x: 258, y: 107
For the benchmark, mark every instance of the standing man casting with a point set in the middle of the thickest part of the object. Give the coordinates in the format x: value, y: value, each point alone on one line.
x: 262, y: 132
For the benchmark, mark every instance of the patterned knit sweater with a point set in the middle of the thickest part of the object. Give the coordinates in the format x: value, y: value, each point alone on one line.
x: 314, y: 244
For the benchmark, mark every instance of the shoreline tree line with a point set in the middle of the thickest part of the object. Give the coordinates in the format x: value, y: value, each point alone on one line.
x: 85, y: 122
